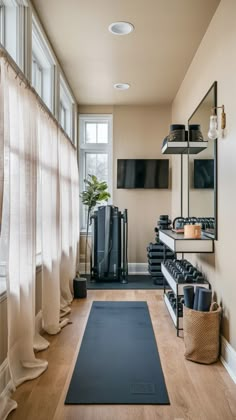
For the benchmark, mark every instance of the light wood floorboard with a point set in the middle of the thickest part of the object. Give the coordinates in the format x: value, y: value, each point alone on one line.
x: 196, y: 392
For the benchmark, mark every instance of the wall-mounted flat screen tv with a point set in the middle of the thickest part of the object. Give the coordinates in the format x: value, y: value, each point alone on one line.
x: 142, y: 173
x: 203, y: 173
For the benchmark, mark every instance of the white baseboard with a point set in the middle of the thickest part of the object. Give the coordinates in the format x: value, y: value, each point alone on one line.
x: 82, y: 268
x: 133, y: 268
x: 228, y: 358
x: 138, y: 268
x: 5, y: 378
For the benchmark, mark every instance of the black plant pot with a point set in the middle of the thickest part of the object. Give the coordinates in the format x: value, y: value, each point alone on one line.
x: 80, y: 287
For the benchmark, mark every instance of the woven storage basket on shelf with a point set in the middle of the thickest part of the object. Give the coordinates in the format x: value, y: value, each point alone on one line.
x: 202, y: 335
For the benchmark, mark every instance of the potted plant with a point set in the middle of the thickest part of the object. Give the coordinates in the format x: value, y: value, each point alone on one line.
x: 95, y: 192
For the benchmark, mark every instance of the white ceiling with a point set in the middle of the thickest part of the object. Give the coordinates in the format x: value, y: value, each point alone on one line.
x: 153, y: 59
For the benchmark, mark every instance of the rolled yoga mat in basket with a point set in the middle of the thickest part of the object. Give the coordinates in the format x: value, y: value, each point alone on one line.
x: 202, y: 334
x: 204, y: 300
x: 189, y: 296
x: 196, y: 296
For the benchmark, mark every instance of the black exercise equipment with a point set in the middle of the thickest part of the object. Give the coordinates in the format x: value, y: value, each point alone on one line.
x: 156, y: 252
x: 183, y: 271
x: 109, y: 260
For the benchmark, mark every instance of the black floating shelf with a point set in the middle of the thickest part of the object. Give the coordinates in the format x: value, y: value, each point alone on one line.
x: 183, y: 148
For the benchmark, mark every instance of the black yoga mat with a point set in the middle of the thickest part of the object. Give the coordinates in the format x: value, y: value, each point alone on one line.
x: 118, y: 362
x: 139, y: 281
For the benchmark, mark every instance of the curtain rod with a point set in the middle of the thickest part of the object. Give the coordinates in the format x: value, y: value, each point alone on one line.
x: 21, y: 75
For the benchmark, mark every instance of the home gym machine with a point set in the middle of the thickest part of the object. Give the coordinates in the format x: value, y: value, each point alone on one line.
x: 109, y: 261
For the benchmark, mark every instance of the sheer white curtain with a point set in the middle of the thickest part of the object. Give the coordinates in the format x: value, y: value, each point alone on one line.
x: 69, y: 210
x: 34, y: 145
x: 59, y: 222
x: 20, y: 162
x: 1, y: 153
x: 74, y: 222
x: 50, y: 223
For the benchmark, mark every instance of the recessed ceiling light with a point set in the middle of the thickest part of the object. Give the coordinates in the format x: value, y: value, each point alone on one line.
x: 121, y: 28
x: 121, y: 86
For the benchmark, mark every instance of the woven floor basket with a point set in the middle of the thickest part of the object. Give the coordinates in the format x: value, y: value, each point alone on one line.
x: 201, y: 335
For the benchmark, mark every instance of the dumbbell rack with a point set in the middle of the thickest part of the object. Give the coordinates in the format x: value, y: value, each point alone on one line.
x: 155, y: 254
x: 177, y: 289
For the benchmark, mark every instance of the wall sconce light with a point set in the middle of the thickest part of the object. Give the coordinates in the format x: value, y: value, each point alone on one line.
x: 213, y: 132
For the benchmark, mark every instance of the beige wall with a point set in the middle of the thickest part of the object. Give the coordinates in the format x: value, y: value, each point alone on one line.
x: 138, y: 132
x: 216, y: 60
x: 201, y: 201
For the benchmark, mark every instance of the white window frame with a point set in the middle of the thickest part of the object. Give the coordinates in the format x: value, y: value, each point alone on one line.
x: 12, y: 29
x: 66, y: 112
x: 43, y: 58
x: 94, y: 148
x: 43, y: 80
x: 14, y: 26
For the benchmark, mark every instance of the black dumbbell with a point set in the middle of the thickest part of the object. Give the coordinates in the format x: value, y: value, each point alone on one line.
x: 188, y: 278
x: 199, y: 278
x: 187, y: 265
x: 180, y: 278
x: 191, y: 270
x: 196, y: 273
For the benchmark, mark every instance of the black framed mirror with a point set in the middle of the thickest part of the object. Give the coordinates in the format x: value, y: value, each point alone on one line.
x: 202, y: 168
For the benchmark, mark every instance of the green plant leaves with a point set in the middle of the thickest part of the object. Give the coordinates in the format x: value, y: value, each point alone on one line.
x: 95, y: 192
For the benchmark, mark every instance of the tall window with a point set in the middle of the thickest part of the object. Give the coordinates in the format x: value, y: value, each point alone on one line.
x: 20, y: 29
x: 66, y: 108
x: 95, y: 133
x: 12, y: 38
x: 42, y: 78
x: 12, y: 25
x: 42, y: 66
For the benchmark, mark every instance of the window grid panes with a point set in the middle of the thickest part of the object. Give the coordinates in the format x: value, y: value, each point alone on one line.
x: 12, y: 34
x: 66, y: 109
x: 97, y: 164
x: 42, y: 66
x: 10, y: 30
x: 96, y: 132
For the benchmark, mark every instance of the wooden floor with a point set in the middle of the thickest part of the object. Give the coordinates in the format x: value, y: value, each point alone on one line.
x: 196, y: 391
